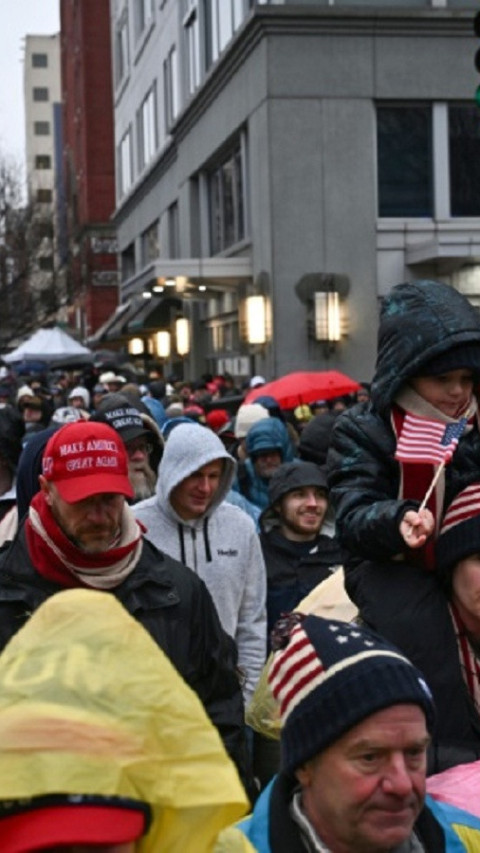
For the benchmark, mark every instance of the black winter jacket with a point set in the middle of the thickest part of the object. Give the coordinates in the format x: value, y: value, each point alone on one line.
x: 420, y: 320
x: 408, y: 606
x: 174, y: 606
x: 293, y: 572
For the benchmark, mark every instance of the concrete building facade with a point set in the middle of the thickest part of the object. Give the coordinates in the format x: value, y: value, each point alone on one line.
x: 309, y: 154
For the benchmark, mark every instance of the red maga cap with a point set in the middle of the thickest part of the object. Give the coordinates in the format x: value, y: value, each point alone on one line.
x: 58, y: 825
x: 84, y: 459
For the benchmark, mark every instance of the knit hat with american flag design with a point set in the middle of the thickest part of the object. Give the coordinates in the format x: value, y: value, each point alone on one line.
x: 460, y: 531
x: 331, y: 676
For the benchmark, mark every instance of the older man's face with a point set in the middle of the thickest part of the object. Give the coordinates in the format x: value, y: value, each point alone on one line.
x: 266, y: 462
x: 92, y: 524
x: 365, y: 791
x: 140, y: 474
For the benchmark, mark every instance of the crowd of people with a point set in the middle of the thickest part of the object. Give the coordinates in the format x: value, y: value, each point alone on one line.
x: 157, y: 538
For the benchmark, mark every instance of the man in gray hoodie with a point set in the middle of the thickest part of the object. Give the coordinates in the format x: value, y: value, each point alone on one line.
x: 189, y: 519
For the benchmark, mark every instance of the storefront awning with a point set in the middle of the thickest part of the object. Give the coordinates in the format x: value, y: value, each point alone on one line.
x: 220, y: 274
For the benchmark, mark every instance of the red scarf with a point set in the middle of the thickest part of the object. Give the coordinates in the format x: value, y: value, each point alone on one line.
x: 48, y: 560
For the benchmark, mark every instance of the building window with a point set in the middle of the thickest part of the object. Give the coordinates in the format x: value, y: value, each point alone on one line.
x: 39, y: 60
x: 405, y: 176
x: 192, y: 38
x: 171, y: 87
x: 40, y: 93
x: 44, y: 196
x: 173, y: 231
x: 223, y: 17
x: 125, y: 163
x: 223, y: 336
x: 464, y: 160
x: 43, y: 161
x: 150, y: 244
x: 127, y: 262
x: 147, y: 129
x: 143, y: 15
x: 41, y: 128
x: 121, y: 49
x: 418, y: 145
x: 227, y: 201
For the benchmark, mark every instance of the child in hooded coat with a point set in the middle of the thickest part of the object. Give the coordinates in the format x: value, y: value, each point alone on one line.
x: 428, y: 366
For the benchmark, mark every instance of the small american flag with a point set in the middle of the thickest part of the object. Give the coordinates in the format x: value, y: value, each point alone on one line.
x: 423, y: 440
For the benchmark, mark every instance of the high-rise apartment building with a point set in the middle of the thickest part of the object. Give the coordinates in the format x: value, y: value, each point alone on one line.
x: 42, y: 98
x: 42, y: 91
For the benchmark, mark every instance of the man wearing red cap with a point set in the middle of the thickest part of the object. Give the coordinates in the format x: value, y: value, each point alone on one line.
x: 80, y: 532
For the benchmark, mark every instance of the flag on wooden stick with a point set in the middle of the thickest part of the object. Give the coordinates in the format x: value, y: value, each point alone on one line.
x: 424, y: 440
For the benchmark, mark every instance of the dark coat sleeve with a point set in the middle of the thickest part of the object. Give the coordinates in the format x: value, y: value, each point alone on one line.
x: 364, y: 479
x: 407, y: 605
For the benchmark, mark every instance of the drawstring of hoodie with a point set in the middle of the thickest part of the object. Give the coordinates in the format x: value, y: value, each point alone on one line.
x: 207, y: 541
x: 182, y: 544
x: 181, y: 536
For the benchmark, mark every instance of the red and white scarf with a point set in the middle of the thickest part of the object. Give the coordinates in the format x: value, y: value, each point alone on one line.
x: 58, y: 559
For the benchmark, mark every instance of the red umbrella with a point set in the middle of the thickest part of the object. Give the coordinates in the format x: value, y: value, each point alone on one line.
x: 293, y: 389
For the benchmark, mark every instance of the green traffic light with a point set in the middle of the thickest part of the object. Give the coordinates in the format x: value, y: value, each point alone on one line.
x: 477, y: 96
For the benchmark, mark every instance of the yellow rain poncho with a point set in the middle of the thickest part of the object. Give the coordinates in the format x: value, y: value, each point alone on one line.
x: 90, y: 705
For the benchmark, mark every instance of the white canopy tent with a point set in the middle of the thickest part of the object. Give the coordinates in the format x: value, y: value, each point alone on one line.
x: 52, y: 346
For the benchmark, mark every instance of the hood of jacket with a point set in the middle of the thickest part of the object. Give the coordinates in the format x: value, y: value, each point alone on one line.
x: 419, y: 321
x: 269, y: 434
x: 91, y: 702
x: 188, y: 448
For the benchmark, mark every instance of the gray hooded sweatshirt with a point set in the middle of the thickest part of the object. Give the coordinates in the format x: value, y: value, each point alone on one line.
x: 221, y: 546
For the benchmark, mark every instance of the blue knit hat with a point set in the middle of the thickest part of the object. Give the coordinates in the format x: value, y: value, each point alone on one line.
x: 331, y: 676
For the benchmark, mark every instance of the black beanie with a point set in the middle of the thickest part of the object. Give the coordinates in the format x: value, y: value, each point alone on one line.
x: 462, y: 356
x: 315, y: 438
x: 295, y: 475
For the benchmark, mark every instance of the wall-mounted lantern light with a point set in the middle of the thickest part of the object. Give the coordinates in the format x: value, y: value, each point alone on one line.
x: 325, y: 298
x: 327, y: 316
x: 135, y: 346
x: 162, y: 344
x: 182, y: 335
x: 256, y: 317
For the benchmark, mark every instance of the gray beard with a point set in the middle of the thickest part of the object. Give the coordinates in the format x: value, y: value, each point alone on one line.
x: 143, y: 484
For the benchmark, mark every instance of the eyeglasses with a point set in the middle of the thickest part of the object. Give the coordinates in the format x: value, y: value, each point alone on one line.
x: 139, y: 445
